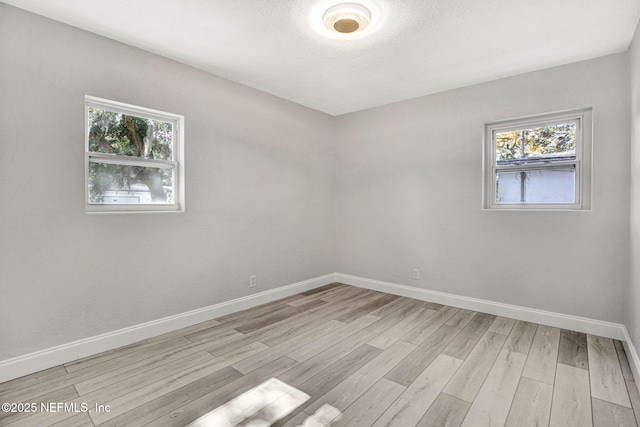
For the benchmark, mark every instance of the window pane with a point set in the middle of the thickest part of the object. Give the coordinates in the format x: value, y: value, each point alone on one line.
x: 553, y: 185
x: 534, y: 145
x: 128, y: 184
x: 116, y: 133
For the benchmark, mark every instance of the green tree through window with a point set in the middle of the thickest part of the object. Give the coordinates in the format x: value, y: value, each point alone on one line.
x: 131, y: 158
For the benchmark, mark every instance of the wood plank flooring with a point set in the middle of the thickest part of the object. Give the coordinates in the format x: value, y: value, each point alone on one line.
x: 341, y: 356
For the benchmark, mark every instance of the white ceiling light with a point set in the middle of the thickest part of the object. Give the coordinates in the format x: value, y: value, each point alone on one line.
x: 346, y: 18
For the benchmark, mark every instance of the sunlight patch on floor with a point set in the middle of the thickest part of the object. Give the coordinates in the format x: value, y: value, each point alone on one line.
x: 260, y: 406
x: 324, y: 416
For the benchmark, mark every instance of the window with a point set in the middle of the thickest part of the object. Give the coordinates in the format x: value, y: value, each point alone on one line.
x: 134, y: 158
x: 541, y: 162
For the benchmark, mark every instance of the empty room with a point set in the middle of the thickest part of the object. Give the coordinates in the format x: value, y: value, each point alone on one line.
x: 319, y: 213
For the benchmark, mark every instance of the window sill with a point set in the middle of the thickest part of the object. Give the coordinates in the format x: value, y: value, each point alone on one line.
x: 93, y: 210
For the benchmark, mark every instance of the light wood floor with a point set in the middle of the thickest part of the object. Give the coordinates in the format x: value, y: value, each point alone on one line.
x: 343, y: 356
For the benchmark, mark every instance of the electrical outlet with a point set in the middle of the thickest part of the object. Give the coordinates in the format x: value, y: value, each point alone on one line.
x: 253, y: 282
x: 416, y: 274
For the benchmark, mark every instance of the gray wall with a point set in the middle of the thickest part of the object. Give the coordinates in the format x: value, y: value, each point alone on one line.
x: 632, y: 297
x: 262, y: 196
x: 409, y: 179
x: 259, y: 191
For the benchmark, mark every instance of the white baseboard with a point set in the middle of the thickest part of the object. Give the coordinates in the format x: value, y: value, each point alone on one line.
x: 564, y: 321
x: 47, y: 358
x: 632, y: 357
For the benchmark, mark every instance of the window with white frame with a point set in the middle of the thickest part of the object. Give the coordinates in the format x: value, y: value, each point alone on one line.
x: 540, y: 162
x: 133, y: 158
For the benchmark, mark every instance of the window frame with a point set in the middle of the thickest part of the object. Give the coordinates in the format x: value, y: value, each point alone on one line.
x: 583, y: 162
x: 176, y: 162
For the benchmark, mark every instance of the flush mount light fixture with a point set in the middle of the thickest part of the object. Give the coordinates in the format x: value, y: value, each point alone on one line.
x: 346, y: 18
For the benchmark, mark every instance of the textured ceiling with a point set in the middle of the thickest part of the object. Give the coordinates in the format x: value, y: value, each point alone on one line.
x: 418, y: 47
